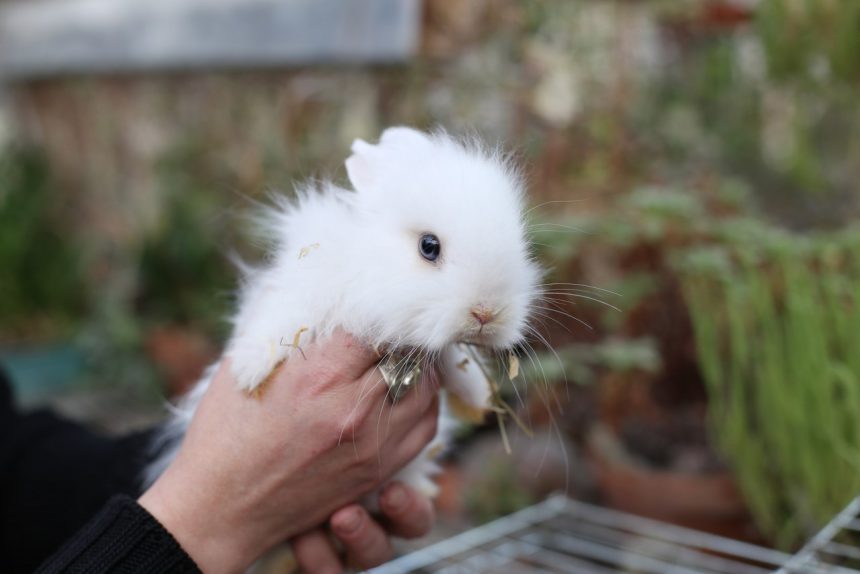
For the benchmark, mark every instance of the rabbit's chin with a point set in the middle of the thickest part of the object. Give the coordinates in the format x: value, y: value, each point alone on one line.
x: 487, y: 342
x: 492, y: 340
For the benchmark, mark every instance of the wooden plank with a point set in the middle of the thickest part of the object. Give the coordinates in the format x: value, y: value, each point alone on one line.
x: 49, y: 37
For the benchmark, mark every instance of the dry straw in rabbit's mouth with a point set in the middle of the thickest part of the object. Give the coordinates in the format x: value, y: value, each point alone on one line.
x: 401, y: 369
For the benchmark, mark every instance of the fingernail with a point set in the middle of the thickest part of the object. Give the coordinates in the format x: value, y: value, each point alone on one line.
x: 350, y: 523
x: 395, y: 497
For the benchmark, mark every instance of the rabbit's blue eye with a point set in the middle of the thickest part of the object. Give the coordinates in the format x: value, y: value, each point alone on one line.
x: 429, y: 246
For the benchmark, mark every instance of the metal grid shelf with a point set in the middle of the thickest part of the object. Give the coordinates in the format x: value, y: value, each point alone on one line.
x: 836, y: 549
x: 563, y: 535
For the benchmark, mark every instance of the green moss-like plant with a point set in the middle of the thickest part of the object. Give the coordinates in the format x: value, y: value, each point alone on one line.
x: 776, y: 321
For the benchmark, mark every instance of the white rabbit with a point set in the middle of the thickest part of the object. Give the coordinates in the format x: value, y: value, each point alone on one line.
x: 429, y: 251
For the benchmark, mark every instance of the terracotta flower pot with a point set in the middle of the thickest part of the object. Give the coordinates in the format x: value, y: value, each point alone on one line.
x: 706, y: 501
x: 181, y: 354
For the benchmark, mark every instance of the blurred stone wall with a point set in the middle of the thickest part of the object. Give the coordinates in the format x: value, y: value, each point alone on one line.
x: 553, y: 80
x: 514, y: 71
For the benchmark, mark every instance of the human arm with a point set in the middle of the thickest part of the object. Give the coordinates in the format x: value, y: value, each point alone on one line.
x: 55, y: 475
x: 252, y: 473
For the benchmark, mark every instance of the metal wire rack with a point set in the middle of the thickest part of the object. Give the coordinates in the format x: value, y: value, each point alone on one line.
x: 563, y: 535
x: 836, y: 548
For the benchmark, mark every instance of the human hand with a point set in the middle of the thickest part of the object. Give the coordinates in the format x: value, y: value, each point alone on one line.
x: 253, y: 472
x: 366, y: 542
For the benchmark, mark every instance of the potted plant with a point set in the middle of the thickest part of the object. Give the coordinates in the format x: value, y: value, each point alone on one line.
x: 41, y: 295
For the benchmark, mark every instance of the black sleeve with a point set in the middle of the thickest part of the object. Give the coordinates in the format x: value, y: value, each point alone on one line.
x: 55, y: 475
x: 122, y: 539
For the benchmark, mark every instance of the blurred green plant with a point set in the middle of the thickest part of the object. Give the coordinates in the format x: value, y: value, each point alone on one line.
x: 772, y: 102
x: 775, y: 317
x: 181, y: 275
x: 774, y: 320
x: 184, y: 273
x: 580, y: 363
x: 41, y: 287
x: 499, y: 493
x: 801, y: 36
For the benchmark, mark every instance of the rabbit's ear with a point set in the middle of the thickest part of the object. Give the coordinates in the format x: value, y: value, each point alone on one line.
x: 401, y: 135
x: 363, y: 165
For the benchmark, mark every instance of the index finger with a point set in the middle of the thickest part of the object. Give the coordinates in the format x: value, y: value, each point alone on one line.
x: 366, y: 543
x: 409, y: 514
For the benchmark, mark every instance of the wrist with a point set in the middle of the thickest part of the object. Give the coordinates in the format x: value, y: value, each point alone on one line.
x: 203, y: 529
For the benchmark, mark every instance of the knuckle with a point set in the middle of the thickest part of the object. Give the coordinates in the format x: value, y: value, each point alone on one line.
x: 329, y: 435
x: 328, y: 374
x: 367, y: 459
x: 432, y: 428
x: 353, y: 425
x: 368, y: 471
x: 434, y: 407
x: 349, y: 529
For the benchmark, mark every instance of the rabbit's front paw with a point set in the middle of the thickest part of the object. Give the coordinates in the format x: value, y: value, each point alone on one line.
x: 251, y: 362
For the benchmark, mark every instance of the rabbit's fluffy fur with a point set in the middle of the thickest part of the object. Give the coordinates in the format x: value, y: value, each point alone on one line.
x: 351, y: 260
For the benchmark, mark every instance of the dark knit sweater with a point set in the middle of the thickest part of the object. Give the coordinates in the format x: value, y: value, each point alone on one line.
x: 124, y: 539
x: 58, y: 496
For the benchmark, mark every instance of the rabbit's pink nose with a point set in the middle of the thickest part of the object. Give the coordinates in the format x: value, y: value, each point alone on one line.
x: 482, y: 314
